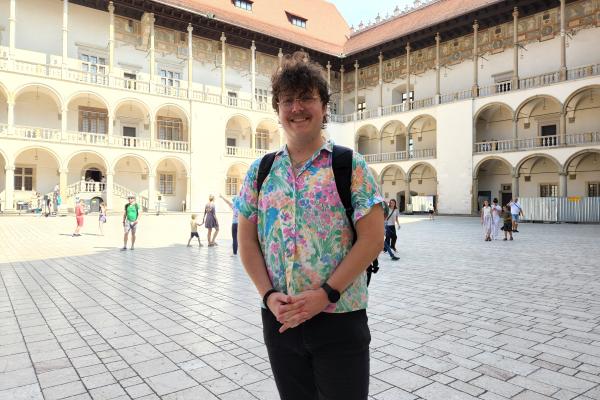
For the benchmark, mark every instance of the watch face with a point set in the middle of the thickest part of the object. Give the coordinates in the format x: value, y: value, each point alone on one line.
x: 334, y: 296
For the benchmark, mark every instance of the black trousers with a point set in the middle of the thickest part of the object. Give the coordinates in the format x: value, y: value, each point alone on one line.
x: 390, y: 235
x: 325, y: 358
x: 234, y: 236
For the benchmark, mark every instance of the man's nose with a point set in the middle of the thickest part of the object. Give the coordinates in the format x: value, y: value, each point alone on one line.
x: 297, y: 105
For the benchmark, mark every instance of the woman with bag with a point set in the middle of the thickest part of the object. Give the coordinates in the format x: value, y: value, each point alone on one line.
x: 390, y: 225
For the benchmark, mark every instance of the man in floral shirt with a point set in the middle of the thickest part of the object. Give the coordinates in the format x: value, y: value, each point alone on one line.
x: 296, y: 246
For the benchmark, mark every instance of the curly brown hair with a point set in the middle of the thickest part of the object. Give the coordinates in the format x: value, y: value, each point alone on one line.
x: 299, y: 75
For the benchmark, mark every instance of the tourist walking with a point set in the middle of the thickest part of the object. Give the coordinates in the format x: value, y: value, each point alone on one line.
x: 234, y: 222
x: 79, y: 213
x: 496, y: 219
x: 486, y: 220
x: 507, y: 220
x: 210, y: 221
x: 102, y: 217
x: 431, y: 211
x: 194, y: 225
x: 296, y: 245
x: 391, y: 221
x: 516, y: 211
x: 131, y: 218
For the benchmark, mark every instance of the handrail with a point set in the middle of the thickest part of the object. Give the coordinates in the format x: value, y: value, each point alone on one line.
x: 536, y: 142
x: 244, y: 152
x: 414, y: 154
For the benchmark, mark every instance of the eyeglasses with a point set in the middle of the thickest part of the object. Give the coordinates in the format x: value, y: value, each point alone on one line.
x: 305, y: 101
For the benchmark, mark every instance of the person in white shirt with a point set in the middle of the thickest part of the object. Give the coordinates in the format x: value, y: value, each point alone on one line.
x: 391, y: 222
x: 516, y: 211
x: 496, y: 213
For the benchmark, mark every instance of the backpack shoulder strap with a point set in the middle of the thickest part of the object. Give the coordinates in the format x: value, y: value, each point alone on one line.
x: 341, y: 164
x: 264, y: 168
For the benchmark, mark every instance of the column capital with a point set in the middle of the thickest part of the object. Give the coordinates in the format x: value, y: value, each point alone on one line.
x: 9, y: 168
x: 110, y: 172
x: 380, y: 57
x: 342, y: 70
x: 407, y: 47
x: 562, y: 173
x: 253, y: 47
x: 63, y: 170
x: 438, y: 38
x: 515, y: 12
x: 10, y: 102
x: 190, y: 28
x: 223, y: 38
x: 356, y: 64
x: 516, y: 175
x: 475, y: 25
x: 111, y: 7
x: 328, y: 66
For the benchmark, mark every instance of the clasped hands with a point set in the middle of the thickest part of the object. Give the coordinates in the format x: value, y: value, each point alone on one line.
x: 291, y: 311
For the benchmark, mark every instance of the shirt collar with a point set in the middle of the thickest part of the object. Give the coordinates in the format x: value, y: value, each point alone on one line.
x: 327, y: 145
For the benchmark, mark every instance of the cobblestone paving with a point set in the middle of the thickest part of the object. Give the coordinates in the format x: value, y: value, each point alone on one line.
x: 456, y: 318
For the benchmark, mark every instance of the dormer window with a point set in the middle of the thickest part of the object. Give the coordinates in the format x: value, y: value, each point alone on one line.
x: 296, y: 20
x: 243, y: 4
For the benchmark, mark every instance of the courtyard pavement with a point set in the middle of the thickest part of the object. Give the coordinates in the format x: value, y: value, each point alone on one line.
x: 456, y: 318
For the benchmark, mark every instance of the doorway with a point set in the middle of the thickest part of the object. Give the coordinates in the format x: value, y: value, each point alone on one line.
x: 93, y: 174
x: 548, y: 133
x: 483, y: 195
x: 129, y: 132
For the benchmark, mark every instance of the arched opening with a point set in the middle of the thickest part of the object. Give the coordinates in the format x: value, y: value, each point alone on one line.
x: 3, y: 110
x: 422, y: 140
x: 393, y: 186
x: 235, y: 178
x: 393, y: 141
x: 35, y: 177
x: 538, y: 177
x: 238, y: 136
x: 37, y: 113
x: 367, y: 140
x: 538, y: 123
x: 131, y: 177
x: 494, y: 128
x: 583, y: 174
x: 171, y: 183
x: 86, y: 178
x: 132, y: 124
x: 87, y: 113
x: 400, y: 94
x: 267, y: 136
x: 171, y: 126
x: 423, y: 181
x: 494, y: 180
x: 582, y: 111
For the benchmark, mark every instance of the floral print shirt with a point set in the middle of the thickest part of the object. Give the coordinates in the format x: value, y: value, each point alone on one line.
x: 302, y: 226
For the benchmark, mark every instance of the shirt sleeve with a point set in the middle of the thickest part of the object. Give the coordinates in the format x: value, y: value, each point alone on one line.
x: 247, y: 201
x: 365, y: 191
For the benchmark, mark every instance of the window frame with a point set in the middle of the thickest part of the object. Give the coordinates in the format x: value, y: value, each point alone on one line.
x: 245, y: 5
x: 92, y: 110
x: 551, y: 188
x: 169, y: 125
x: 589, y: 185
x: 22, y: 175
x: 162, y: 182
x: 232, y: 182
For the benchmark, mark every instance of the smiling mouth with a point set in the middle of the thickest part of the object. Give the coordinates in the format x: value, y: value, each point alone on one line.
x: 299, y: 119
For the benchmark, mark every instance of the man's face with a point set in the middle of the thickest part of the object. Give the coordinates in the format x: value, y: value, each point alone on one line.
x: 301, y: 115
x: 131, y: 200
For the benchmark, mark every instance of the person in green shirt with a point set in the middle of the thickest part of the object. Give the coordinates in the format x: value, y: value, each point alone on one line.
x: 131, y: 217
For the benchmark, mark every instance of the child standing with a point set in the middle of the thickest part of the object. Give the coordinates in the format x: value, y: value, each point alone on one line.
x: 507, y: 227
x: 194, y: 228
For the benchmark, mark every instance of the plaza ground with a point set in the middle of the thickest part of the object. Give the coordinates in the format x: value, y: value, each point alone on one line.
x: 455, y: 318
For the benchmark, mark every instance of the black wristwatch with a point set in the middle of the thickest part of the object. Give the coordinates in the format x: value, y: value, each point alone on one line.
x: 266, y: 296
x: 332, y: 294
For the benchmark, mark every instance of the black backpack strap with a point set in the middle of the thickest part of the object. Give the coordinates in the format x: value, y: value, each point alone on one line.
x: 264, y: 168
x: 341, y: 164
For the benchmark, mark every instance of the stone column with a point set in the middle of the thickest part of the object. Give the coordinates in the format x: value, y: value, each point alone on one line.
x: 111, y: 127
x: 474, y: 196
x: 407, y: 193
x: 253, y: 73
x: 380, y: 82
x: 151, y: 191
x: 356, y: 86
x: 109, y: 190
x: 514, y: 85
x: 152, y: 122
x: 9, y: 189
x: 475, y: 87
x: 11, y: 117
x: 190, y: 29
x: 64, y: 120
x: 562, y: 184
x: 407, y: 139
x: 152, y: 51
x: 563, y: 43
x: 438, y: 95
x: 515, y: 133
x: 12, y: 27
x: 188, y: 193
x: 65, y: 36
x: 280, y: 56
x: 342, y: 90
x: 63, y: 173
x: 515, y: 185
x: 562, y: 137
x: 408, y: 101
x: 223, y: 68
x: 111, y: 37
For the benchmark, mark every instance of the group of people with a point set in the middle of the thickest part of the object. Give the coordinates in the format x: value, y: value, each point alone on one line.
x: 493, y: 214
x: 210, y: 222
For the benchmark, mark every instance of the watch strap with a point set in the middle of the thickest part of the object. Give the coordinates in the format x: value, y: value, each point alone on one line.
x: 266, y: 296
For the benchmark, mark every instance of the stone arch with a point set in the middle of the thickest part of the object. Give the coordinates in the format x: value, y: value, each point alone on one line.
x: 95, y: 114
x: 138, y: 157
x: 78, y: 152
x: 235, y: 177
x: 45, y: 165
x: 581, y: 111
x: 519, y: 165
x: 38, y: 106
x: 56, y: 157
x: 79, y: 93
x: 481, y: 162
x: 179, y: 159
x: 145, y: 107
x: 238, y: 130
x: 421, y: 164
x: 576, y: 157
x: 171, y: 176
x: 536, y: 178
x: 172, y: 126
x: 422, y: 131
x: 366, y: 140
x: 393, y: 137
x: 582, y: 171
x: 493, y: 176
x: 54, y: 94
x: 493, y: 122
x: 272, y: 140
x: 393, y: 185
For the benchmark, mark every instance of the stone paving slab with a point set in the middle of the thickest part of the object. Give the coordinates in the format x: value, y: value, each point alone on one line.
x: 456, y: 318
